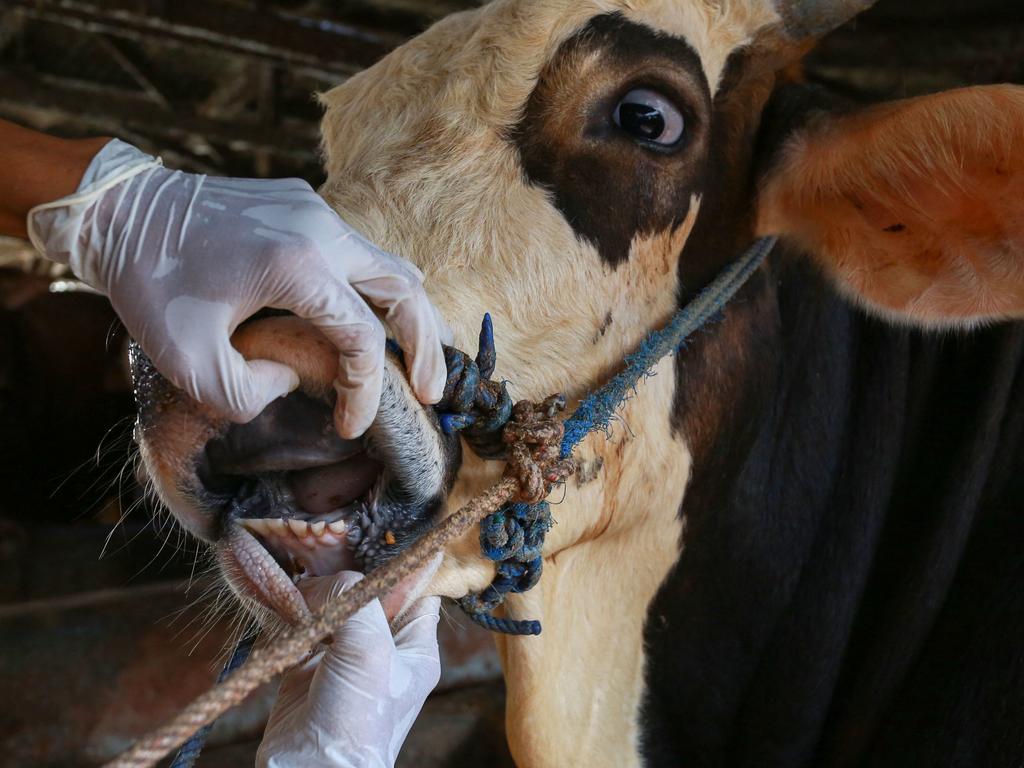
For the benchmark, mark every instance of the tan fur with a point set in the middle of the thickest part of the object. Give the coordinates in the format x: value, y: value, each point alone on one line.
x: 574, y: 692
x: 914, y: 206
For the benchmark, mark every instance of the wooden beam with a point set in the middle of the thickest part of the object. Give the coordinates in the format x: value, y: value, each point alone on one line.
x: 880, y: 58
x: 330, y: 46
x: 104, y: 108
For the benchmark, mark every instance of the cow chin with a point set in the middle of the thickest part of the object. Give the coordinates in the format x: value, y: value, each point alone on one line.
x: 283, y: 497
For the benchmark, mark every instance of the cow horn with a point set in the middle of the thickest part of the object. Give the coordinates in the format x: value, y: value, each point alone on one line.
x: 814, y: 18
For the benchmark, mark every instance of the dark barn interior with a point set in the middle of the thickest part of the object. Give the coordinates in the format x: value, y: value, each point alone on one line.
x: 101, y: 640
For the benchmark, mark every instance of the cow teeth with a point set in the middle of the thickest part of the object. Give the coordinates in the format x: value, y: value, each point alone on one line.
x: 256, y: 526
x: 299, y: 527
x: 338, y: 526
x: 318, y: 528
x: 276, y: 525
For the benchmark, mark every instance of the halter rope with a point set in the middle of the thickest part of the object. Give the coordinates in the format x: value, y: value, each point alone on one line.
x: 513, y: 536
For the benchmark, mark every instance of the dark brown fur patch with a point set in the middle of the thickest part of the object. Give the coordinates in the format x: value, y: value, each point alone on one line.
x: 717, y: 375
x: 609, y: 187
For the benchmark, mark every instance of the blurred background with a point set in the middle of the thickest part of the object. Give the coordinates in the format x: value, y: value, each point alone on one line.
x: 107, y: 619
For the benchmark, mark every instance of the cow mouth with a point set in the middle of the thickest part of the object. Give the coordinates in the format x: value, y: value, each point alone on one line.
x: 297, y: 501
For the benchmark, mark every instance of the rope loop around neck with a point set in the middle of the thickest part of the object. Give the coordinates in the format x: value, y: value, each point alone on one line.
x: 514, y: 525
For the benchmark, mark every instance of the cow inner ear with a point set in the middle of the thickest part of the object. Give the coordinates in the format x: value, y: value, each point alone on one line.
x: 916, y: 207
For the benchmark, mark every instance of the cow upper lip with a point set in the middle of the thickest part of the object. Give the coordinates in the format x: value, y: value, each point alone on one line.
x: 293, y: 432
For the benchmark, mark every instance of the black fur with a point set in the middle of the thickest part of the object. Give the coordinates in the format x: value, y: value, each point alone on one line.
x: 848, y: 592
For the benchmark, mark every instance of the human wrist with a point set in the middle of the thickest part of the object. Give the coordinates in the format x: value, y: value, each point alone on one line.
x: 40, y: 168
x: 55, y: 227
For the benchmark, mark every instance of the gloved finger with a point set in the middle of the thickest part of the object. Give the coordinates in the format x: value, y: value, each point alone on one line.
x: 345, y: 319
x: 364, y: 640
x: 395, y: 285
x: 416, y: 645
x: 444, y: 331
x: 320, y: 590
x: 294, y: 688
x: 414, y: 324
x: 357, y: 665
x: 360, y: 377
x: 418, y: 632
x: 401, y: 598
x: 218, y: 376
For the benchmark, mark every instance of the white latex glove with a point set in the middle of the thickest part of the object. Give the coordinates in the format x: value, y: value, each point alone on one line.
x: 185, y: 258
x: 352, y: 705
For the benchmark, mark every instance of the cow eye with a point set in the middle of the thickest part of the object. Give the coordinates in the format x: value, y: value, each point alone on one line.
x: 650, y: 118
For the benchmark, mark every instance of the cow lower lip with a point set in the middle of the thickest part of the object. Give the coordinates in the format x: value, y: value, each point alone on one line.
x: 255, y: 573
x: 286, y: 526
x: 268, y: 556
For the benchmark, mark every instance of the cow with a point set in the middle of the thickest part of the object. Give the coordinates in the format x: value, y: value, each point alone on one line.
x: 799, y: 542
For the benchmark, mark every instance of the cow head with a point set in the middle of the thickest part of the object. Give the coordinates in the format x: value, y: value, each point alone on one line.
x: 577, y: 169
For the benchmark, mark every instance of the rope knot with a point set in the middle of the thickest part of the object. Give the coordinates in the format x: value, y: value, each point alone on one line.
x: 529, y: 436
x: 472, y: 404
x: 534, y: 437
x: 513, y: 537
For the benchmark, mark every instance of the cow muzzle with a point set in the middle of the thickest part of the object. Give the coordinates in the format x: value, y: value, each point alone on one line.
x: 283, y: 497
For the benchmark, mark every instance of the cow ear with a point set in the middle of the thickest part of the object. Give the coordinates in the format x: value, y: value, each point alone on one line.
x: 916, y: 207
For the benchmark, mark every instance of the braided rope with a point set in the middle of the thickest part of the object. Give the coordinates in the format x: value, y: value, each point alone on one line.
x: 597, y: 409
x: 594, y: 412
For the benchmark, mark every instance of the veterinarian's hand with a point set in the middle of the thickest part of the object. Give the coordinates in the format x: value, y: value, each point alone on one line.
x: 185, y: 258
x: 352, y: 705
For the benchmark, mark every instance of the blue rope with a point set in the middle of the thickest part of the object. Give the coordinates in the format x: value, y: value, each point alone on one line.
x: 189, y: 752
x: 513, y: 536
x: 597, y: 409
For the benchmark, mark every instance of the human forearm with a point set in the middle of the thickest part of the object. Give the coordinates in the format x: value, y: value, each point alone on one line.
x: 36, y: 168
